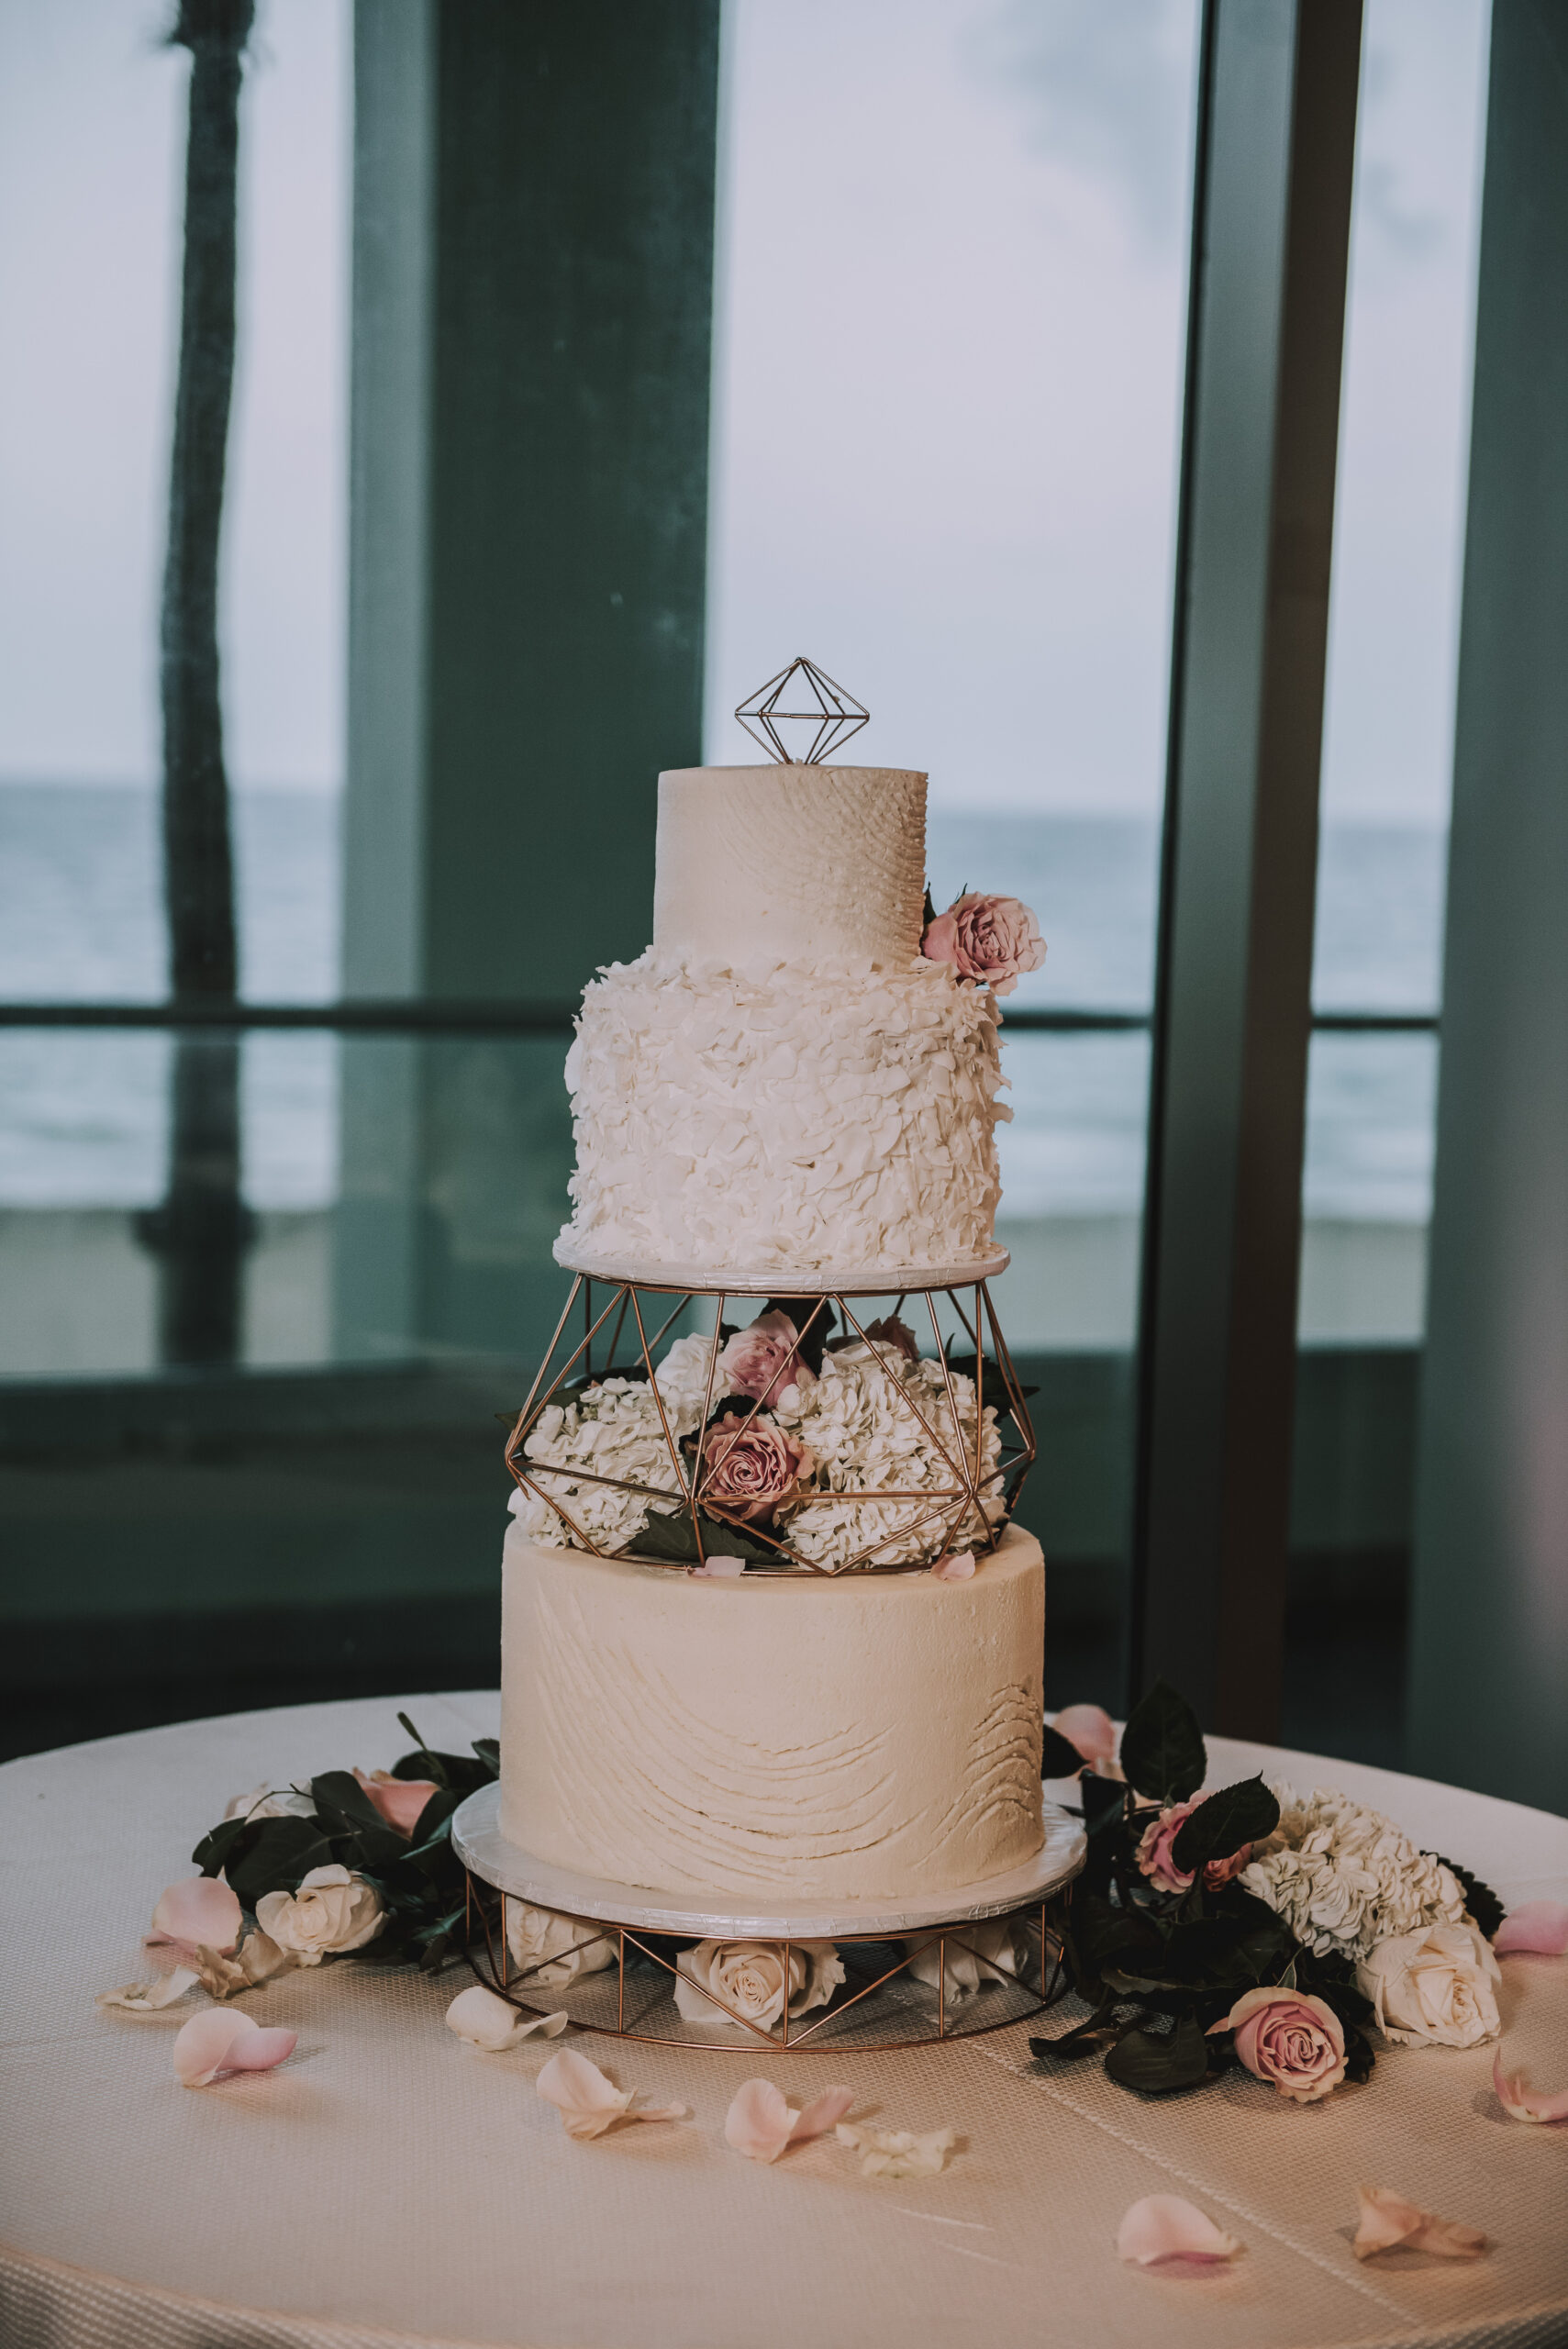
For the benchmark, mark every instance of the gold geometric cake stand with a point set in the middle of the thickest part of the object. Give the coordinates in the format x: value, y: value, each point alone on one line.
x: 879, y: 2005
x: 618, y: 1339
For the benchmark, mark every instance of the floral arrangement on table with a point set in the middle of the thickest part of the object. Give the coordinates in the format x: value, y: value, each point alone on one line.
x: 780, y: 1435
x: 1261, y: 1928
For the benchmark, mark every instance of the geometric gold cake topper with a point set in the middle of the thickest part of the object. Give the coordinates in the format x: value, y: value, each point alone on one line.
x: 832, y: 714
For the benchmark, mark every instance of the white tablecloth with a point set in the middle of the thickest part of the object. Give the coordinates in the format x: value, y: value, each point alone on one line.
x: 390, y: 2184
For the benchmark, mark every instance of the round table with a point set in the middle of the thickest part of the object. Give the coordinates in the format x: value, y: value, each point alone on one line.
x: 391, y: 2185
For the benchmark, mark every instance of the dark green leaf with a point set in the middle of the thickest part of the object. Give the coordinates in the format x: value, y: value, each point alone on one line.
x: 424, y: 1755
x: 340, y: 1797
x: 929, y: 913
x: 1061, y: 1758
x: 671, y: 1537
x: 1162, y: 1746
x: 215, y: 1845
x: 1105, y: 1802
x: 1156, y: 2064
x: 966, y: 1366
x: 1068, y: 2045
x: 1359, y: 2055
x: 1479, y: 1898
x: 1240, y: 1814
x: 488, y: 1750
x: 274, y: 1855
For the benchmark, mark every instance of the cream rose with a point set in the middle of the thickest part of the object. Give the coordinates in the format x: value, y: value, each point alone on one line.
x: 332, y: 1913
x: 1433, y: 1989
x: 749, y: 1979
x: 551, y: 1949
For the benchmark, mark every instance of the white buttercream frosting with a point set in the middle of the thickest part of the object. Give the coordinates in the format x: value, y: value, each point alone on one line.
x: 875, y: 1736
x: 811, y: 1116
x: 770, y: 864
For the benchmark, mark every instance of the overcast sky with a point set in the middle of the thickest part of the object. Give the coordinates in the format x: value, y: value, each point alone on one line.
x: 950, y: 322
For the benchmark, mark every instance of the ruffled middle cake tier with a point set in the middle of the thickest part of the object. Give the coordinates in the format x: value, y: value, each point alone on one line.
x: 804, y: 1118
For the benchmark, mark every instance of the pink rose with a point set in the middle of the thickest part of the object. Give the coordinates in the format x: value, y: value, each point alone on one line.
x: 1091, y: 1728
x: 986, y: 938
x: 1154, y: 1853
x: 751, y: 1465
x: 1287, y: 2037
x: 894, y: 1336
x: 399, y: 1800
x: 765, y: 1359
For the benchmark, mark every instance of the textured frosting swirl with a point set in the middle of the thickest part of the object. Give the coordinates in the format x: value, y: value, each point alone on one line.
x: 805, y: 1116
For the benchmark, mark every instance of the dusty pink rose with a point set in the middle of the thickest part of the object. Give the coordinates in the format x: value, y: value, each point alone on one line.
x: 751, y: 1464
x: 986, y: 938
x: 1289, y: 2038
x: 1091, y: 1728
x: 763, y: 1359
x: 894, y: 1336
x: 399, y: 1800
x: 1154, y: 1853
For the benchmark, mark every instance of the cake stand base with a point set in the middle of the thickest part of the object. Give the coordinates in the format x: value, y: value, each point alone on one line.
x: 632, y: 1935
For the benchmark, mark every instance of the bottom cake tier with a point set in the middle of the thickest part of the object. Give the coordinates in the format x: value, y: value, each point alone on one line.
x: 874, y: 1736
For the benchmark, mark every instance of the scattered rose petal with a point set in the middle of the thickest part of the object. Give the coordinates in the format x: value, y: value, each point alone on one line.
x: 1091, y: 1728
x: 1166, y: 2226
x: 1538, y: 1925
x: 896, y: 2153
x: 1520, y: 2101
x: 197, y: 1913
x: 399, y: 1800
x: 587, y: 2103
x: 956, y: 1566
x: 760, y: 2123
x: 1387, y: 2221
x: 721, y: 1568
x: 225, y: 2038
x: 151, y: 1998
x: 488, y: 2022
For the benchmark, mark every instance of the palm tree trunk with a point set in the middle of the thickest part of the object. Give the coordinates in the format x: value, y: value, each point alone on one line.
x: 201, y: 1230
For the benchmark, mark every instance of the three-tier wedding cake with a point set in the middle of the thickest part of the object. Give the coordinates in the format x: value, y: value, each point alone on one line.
x: 712, y: 1680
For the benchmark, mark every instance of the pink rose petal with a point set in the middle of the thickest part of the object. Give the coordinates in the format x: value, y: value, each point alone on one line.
x: 1520, y: 2101
x: 399, y: 1800
x: 1387, y: 2221
x: 955, y: 1567
x: 760, y: 2123
x: 1538, y: 1925
x: 1091, y: 1728
x: 197, y: 1913
x: 225, y: 2038
x: 1164, y: 2226
x: 588, y: 2102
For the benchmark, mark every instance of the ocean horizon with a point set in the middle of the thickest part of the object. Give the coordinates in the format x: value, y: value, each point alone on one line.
x: 83, y: 1114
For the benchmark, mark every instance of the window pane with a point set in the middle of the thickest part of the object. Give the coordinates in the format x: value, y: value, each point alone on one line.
x: 1393, y: 635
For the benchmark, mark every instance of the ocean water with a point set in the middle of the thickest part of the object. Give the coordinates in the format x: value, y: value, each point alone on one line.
x: 82, y: 1113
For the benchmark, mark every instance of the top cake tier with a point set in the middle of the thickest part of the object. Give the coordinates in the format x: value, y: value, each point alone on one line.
x: 782, y: 1092
x: 759, y: 866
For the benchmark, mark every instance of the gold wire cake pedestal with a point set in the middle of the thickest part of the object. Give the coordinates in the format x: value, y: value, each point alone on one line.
x: 879, y: 2005
x: 970, y: 1499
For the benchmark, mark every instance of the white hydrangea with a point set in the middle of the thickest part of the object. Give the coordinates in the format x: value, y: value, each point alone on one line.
x: 874, y: 1424
x: 861, y: 1421
x: 1344, y: 1878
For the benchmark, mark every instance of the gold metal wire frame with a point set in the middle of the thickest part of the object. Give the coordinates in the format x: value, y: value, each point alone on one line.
x: 489, y: 1957
x: 972, y: 1490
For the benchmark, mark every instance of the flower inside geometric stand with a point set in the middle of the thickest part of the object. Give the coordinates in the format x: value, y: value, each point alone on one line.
x: 805, y: 1438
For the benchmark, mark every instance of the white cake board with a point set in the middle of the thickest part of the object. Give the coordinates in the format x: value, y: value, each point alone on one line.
x: 486, y: 1853
x: 814, y: 1280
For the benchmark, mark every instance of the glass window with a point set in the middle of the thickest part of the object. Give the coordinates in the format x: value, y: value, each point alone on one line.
x: 1387, y: 759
